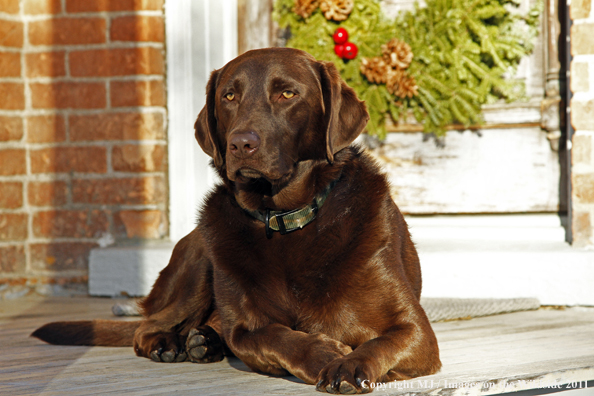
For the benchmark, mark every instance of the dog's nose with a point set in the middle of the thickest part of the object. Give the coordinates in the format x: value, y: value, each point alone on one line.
x: 244, y: 144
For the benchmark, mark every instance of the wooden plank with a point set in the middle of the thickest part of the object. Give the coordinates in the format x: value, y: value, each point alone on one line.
x: 254, y: 24
x: 545, y: 345
x: 411, y: 128
x: 500, y: 171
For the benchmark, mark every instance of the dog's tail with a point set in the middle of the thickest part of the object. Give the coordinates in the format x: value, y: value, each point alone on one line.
x: 88, y: 332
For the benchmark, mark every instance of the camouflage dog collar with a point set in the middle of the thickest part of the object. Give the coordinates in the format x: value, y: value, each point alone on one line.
x: 285, y: 222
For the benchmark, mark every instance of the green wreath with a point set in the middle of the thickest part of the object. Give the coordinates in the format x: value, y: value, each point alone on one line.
x: 464, y: 52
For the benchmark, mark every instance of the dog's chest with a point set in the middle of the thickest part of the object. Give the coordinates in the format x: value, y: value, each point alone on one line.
x: 305, y: 295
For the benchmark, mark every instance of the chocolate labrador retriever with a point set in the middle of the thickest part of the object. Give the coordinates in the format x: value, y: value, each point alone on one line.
x: 301, y: 263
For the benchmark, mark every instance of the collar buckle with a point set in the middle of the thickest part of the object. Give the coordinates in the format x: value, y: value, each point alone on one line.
x: 286, y: 222
x: 267, y: 224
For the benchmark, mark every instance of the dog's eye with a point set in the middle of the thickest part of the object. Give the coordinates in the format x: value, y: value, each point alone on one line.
x: 230, y: 96
x: 288, y: 94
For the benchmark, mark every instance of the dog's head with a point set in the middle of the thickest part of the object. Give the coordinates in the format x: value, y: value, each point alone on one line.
x: 269, y: 109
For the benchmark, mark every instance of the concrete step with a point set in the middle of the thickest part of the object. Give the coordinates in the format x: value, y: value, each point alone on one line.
x: 543, y: 228
x: 499, y: 256
x: 127, y: 270
x: 502, y: 256
x: 488, y: 232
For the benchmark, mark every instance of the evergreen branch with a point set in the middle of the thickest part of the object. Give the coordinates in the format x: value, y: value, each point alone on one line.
x: 462, y: 51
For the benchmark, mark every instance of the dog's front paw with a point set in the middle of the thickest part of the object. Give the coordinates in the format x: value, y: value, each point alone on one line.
x: 161, y: 347
x: 346, y: 376
x: 204, y: 345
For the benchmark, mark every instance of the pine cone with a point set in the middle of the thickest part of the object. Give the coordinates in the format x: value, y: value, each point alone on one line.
x: 397, y: 54
x: 337, y: 10
x: 304, y: 8
x: 401, y: 84
x: 375, y: 70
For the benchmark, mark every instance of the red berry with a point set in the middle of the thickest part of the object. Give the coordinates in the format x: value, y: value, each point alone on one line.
x: 340, y: 36
x: 339, y: 50
x: 350, y: 51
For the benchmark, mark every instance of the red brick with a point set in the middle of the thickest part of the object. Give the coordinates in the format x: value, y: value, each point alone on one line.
x: 11, y: 33
x: 9, y: 6
x: 35, y: 7
x: 137, y: 28
x: 11, y: 195
x: 61, y: 31
x: 11, y: 128
x: 581, y: 39
x: 138, y: 158
x: 581, y: 152
x: 60, y: 256
x: 12, y: 96
x: 70, y: 224
x: 64, y: 95
x: 580, y: 79
x: 12, y: 162
x: 117, y: 126
x: 581, y: 229
x: 582, y: 115
x: 76, y: 284
x: 137, y: 93
x: 12, y: 259
x: 116, y: 62
x: 46, y: 64
x: 69, y: 159
x: 13, y: 226
x: 10, y: 64
x: 146, y: 224
x: 580, y: 9
x: 46, y: 129
x: 112, y: 5
x: 583, y: 188
x: 131, y: 191
x: 52, y: 193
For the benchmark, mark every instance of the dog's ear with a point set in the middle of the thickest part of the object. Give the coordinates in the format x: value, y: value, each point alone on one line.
x: 345, y: 116
x: 206, y: 125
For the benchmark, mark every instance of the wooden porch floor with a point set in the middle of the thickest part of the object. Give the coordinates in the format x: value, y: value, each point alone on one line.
x: 525, y: 350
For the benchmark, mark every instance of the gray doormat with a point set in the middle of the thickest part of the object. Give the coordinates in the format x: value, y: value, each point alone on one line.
x: 440, y: 309
x: 437, y: 309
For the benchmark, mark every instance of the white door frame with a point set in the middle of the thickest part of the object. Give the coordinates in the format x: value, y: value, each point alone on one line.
x: 201, y: 37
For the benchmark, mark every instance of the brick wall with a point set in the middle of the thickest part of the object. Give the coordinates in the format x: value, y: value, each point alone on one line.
x: 582, y: 119
x: 82, y: 136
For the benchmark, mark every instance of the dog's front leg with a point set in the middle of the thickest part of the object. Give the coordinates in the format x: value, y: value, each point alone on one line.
x: 407, y: 350
x: 180, y: 313
x: 276, y: 349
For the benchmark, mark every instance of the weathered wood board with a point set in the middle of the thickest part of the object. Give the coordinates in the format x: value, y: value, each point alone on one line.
x: 511, y: 170
x: 500, y: 353
x: 254, y: 24
x: 494, y: 171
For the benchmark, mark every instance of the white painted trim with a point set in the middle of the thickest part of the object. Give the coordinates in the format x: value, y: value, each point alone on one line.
x: 201, y: 36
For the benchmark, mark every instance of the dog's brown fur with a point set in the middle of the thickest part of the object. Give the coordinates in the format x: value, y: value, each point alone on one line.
x: 335, y: 303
